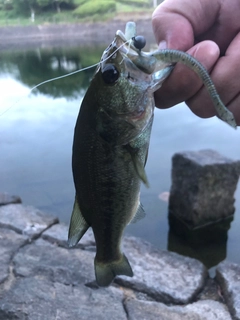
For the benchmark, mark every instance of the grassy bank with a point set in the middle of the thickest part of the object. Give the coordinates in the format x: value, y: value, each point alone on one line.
x: 122, y: 12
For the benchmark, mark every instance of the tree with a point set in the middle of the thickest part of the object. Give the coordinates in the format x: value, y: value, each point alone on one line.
x: 44, y: 3
x: 60, y: 3
x: 25, y: 7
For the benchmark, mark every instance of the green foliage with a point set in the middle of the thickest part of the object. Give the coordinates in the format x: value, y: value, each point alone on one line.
x: 137, y: 3
x: 5, y: 5
x: 95, y: 7
x: 79, y: 2
x: 43, y: 3
x: 18, y: 12
x: 24, y: 7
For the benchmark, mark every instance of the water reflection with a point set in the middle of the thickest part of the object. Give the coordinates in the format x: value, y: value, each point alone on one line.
x: 36, y: 141
x: 207, y: 244
x: 35, y: 66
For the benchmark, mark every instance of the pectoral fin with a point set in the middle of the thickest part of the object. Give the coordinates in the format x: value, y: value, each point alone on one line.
x: 140, y: 171
x: 140, y: 214
x: 138, y: 165
x: 78, y: 225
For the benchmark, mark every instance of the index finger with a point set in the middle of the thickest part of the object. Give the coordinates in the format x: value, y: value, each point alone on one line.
x: 179, y: 22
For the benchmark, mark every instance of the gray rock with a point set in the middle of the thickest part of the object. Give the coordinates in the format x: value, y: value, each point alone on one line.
x: 202, y: 310
x: 58, y: 234
x: 10, y: 241
x: 211, y: 291
x: 228, y: 276
x: 203, y: 186
x: 36, y: 298
x: 73, y: 266
x: 165, y: 276
x: 6, y: 198
x: 41, y: 279
x: 25, y: 219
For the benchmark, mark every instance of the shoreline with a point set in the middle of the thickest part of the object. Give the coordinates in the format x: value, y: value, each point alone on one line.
x: 13, y: 37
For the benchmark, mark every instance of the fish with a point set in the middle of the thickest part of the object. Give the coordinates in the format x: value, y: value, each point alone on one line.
x: 111, y: 142
x: 110, y: 149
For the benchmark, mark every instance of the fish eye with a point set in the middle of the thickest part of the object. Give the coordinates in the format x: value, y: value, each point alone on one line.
x: 110, y: 74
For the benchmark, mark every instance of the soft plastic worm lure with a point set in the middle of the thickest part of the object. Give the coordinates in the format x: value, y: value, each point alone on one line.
x: 150, y: 62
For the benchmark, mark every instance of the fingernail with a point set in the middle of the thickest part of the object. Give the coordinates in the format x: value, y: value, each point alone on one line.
x: 162, y: 45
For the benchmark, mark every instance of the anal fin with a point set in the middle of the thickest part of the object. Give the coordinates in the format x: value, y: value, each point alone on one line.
x: 78, y: 225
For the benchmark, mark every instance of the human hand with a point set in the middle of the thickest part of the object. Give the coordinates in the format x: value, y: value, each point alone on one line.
x: 210, y: 32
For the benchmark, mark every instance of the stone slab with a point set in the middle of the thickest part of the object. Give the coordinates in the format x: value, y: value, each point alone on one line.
x: 25, y: 219
x: 6, y: 198
x: 73, y: 266
x: 203, y: 186
x: 58, y: 234
x: 35, y: 298
x: 211, y: 291
x: 228, y: 277
x: 43, y: 279
x: 165, y: 276
x: 202, y: 310
x: 10, y: 241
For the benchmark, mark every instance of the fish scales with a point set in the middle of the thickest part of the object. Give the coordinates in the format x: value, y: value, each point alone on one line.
x: 107, y: 183
x: 111, y: 142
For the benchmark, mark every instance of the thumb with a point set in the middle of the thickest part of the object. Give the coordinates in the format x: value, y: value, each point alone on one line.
x: 172, y: 30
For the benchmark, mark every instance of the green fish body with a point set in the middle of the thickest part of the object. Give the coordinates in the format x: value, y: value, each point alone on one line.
x: 110, y: 148
x: 111, y: 141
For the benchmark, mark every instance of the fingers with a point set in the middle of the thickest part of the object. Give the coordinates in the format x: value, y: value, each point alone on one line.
x: 226, y: 77
x: 181, y: 24
x: 183, y: 83
x: 178, y: 22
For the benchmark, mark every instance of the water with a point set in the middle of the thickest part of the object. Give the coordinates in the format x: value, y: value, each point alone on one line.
x: 36, y: 141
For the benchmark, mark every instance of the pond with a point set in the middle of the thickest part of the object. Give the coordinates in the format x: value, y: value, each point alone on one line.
x: 36, y: 132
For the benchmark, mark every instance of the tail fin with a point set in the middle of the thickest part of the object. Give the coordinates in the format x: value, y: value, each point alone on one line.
x: 106, y: 272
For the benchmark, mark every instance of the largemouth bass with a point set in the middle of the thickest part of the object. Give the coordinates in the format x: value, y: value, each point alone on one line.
x: 111, y: 142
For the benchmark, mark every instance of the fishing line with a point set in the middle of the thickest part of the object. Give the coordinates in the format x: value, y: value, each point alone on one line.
x: 64, y: 76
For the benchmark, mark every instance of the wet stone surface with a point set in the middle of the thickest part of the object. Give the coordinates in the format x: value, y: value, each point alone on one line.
x: 203, y: 186
x: 10, y: 242
x: 41, y: 278
x: 6, y: 198
x: 228, y: 277
x: 37, y: 298
x: 25, y: 219
x: 68, y: 266
x: 201, y: 310
x: 58, y: 234
x: 166, y: 276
